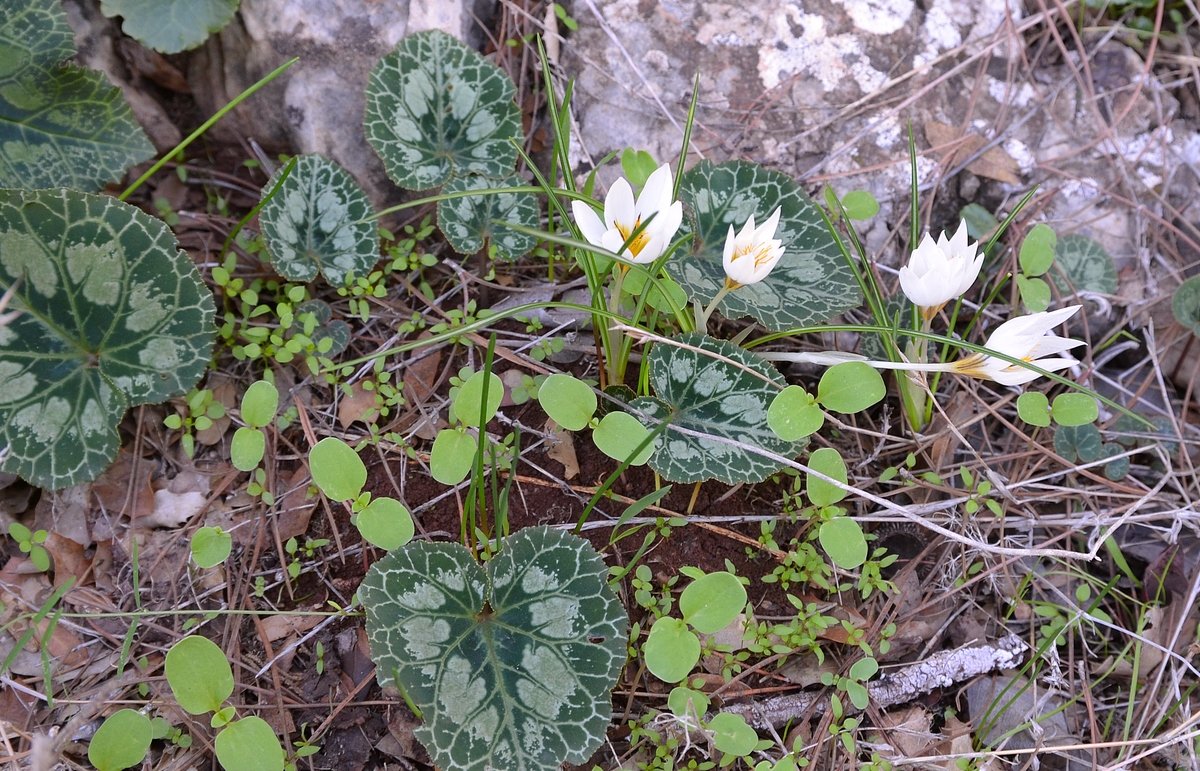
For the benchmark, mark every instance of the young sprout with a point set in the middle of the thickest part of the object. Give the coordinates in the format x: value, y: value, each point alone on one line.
x: 623, y: 217
x: 752, y: 253
x: 940, y: 271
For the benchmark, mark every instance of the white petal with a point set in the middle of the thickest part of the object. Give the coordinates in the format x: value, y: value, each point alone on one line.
x: 588, y: 221
x: 618, y: 205
x: 657, y: 192
x: 766, y: 231
x: 671, y: 219
x: 730, y: 243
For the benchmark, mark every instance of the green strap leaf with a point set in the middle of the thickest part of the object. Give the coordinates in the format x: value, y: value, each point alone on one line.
x: 436, y: 110
x: 810, y: 285
x: 171, y: 26
x: 59, y: 124
x: 512, y: 662
x: 110, y: 315
x: 319, y: 220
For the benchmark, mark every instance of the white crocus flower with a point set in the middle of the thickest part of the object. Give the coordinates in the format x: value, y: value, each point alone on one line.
x: 623, y: 216
x: 940, y: 270
x: 1025, y: 338
x: 752, y: 253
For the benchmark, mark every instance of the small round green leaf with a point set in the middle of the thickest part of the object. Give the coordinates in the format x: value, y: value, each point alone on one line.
x: 121, y: 741
x: 732, y: 735
x: 637, y: 166
x: 319, y: 219
x: 685, y: 702
x: 1074, y: 409
x: 843, y: 540
x: 795, y: 414
x: 671, y: 650
x: 470, y: 221
x: 469, y: 401
x: 170, y: 26
x: 568, y: 401
x: 1035, y: 293
x: 249, y: 744
x: 452, y: 456
x: 1037, y: 250
x: 512, y: 662
x: 259, y: 404
x: 199, y: 675
x: 811, y: 283
x: 864, y: 669
x: 386, y: 523
x: 436, y: 110
x: 618, y: 435
x: 827, y: 461
x: 849, y: 387
x: 860, y: 205
x: 712, y: 602
x: 211, y: 546
x: 110, y: 314
x: 1034, y: 408
x: 664, y: 294
x: 247, y: 448
x: 1186, y: 304
x: 336, y: 469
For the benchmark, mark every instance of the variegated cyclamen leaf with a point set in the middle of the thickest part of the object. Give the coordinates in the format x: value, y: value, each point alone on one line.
x: 319, y: 220
x: 1082, y: 265
x: 327, y: 326
x: 467, y: 222
x: 436, y: 110
x: 810, y: 285
x: 170, y: 26
x: 717, y: 392
x: 511, y: 662
x: 109, y: 314
x: 60, y: 124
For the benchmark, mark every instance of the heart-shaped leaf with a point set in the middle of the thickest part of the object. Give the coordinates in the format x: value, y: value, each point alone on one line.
x: 511, y: 662
x: 326, y: 326
x: 811, y: 284
x: 1083, y: 265
x: 469, y: 221
x: 60, y: 124
x: 109, y: 314
x: 319, y: 220
x: 436, y: 110
x: 171, y: 26
x: 1186, y: 304
x: 714, y: 390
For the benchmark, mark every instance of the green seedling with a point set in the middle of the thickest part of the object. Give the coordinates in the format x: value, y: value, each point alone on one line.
x: 30, y: 542
x: 339, y: 473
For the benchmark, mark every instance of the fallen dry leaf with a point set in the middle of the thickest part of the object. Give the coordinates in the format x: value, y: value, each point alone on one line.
x: 295, y: 507
x: 560, y: 446
x: 908, y: 730
x: 359, y: 404
x: 955, y: 146
x: 174, y: 509
x: 421, y: 374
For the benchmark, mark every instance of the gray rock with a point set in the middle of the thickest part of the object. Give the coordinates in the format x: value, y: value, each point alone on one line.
x: 317, y: 106
x: 826, y: 92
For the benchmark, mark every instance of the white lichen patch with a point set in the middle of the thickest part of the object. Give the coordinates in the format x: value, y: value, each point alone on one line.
x: 24, y: 256
x: 878, y: 17
x: 1020, y: 152
x: 830, y: 59
x: 98, y: 270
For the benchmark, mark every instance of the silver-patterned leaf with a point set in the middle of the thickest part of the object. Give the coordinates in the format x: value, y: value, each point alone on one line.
x: 511, y: 662
x: 1081, y: 264
x: 436, y: 110
x: 810, y: 285
x: 719, y: 391
x: 319, y: 220
x: 60, y: 125
x: 109, y: 314
x: 469, y: 221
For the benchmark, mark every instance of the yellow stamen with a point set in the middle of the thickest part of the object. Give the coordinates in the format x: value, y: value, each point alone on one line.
x: 640, y: 240
x: 760, y: 252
